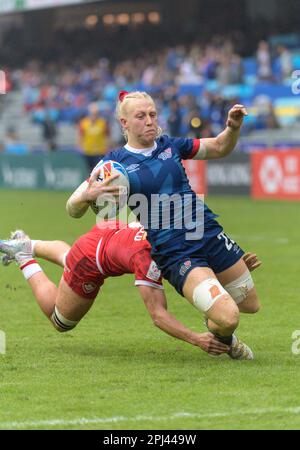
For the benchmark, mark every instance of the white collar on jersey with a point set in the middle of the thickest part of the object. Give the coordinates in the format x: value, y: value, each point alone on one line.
x: 141, y: 151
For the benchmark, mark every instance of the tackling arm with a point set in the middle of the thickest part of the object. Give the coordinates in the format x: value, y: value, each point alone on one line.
x: 88, y: 192
x: 156, y: 304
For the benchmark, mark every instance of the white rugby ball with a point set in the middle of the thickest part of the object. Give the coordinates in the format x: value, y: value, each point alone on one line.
x: 109, y: 206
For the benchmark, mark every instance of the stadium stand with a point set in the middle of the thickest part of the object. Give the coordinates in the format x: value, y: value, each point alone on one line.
x: 189, y: 81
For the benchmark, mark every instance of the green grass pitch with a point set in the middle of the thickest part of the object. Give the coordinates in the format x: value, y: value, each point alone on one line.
x: 117, y: 371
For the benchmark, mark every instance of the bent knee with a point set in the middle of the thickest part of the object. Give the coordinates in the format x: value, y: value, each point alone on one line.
x: 225, y: 313
x: 250, y: 305
x: 207, y: 294
x: 254, y: 310
x: 254, y: 307
x: 242, y: 290
x: 230, y: 320
x: 60, y: 323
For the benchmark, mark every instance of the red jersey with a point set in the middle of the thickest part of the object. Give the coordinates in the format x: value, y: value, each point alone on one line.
x: 110, y: 249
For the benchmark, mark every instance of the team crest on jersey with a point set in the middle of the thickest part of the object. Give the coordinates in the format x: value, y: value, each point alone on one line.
x: 89, y: 287
x: 166, y: 154
x: 185, y: 267
x: 133, y: 168
x: 153, y: 272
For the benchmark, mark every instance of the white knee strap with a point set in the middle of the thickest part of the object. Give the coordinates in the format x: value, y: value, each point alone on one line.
x: 239, y: 288
x: 207, y: 293
x: 61, y: 323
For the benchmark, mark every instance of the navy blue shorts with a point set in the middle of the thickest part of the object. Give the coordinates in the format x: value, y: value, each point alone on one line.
x: 215, y: 250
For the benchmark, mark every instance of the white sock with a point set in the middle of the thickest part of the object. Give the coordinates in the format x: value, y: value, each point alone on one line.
x: 30, y: 268
x: 33, y: 244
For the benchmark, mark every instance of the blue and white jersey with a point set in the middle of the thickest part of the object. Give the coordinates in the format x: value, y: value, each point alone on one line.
x: 158, y: 174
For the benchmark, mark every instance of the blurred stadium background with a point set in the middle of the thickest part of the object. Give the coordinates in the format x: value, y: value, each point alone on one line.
x: 196, y: 57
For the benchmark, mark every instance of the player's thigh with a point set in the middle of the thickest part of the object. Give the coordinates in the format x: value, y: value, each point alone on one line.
x: 71, y: 305
x: 243, y: 291
x: 194, y: 278
x: 203, y: 290
x: 251, y: 304
x: 232, y: 273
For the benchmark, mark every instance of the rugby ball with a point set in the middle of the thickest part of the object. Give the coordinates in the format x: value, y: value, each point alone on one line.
x: 109, y: 206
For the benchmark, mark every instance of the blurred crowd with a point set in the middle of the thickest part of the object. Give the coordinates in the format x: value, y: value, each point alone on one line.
x: 186, y: 81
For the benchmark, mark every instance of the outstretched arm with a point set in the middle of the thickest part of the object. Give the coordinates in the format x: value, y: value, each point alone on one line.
x: 225, y: 142
x: 156, y: 304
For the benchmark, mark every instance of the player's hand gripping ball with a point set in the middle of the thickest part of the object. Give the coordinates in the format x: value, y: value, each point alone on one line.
x: 108, y: 205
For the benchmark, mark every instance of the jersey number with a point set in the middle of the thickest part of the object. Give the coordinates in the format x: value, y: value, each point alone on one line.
x: 228, y: 242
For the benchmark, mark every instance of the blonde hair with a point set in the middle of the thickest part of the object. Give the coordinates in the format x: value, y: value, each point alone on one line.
x: 122, y: 106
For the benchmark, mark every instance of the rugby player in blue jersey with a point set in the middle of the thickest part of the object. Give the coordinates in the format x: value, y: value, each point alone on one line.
x: 191, y: 249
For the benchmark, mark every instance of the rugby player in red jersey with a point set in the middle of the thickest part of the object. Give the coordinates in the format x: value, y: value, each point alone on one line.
x: 105, y: 251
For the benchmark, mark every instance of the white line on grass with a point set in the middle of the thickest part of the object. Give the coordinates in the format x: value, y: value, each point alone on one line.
x: 141, y: 418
